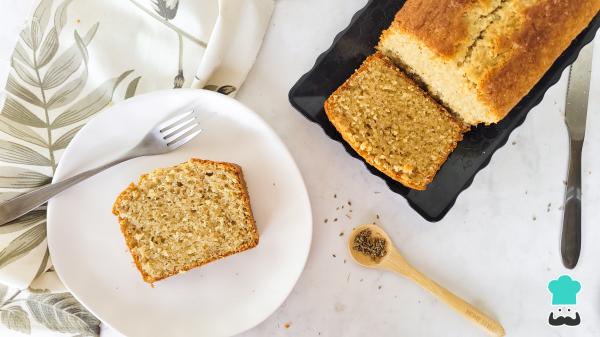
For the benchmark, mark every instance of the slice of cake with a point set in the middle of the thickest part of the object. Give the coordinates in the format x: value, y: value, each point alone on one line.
x: 392, y: 123
x: 481, y: 57
x: 184, y: 216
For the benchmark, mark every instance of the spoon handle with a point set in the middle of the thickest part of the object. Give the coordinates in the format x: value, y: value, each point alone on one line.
x: 467, y: 310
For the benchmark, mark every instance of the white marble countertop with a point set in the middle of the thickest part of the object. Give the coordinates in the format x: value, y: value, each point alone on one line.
x: 498, y: 247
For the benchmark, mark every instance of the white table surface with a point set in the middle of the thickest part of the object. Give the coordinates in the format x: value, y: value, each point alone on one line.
x: 498, y: 247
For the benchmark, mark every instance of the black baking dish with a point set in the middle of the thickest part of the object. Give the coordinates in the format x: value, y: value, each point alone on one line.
x: 351, y: 46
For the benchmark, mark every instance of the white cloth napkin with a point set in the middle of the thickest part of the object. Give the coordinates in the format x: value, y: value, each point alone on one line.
x: 73, y: 59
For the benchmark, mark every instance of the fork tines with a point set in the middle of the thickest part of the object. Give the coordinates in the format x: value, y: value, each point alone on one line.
x: 180, y: 129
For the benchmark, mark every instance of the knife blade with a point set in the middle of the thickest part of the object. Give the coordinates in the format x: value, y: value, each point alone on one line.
x: 575, y: 119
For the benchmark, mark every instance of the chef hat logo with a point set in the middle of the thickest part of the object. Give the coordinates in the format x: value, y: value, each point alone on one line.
x: 564, y: 290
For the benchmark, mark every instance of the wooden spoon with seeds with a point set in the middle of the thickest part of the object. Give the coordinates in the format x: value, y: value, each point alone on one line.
x: 371, y: 247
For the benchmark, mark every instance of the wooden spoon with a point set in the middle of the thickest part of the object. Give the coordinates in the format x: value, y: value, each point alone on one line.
x: 395, y: 262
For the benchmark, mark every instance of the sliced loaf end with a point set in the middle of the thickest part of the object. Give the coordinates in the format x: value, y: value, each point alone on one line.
x: 392, y: 123
x: 178, y: 218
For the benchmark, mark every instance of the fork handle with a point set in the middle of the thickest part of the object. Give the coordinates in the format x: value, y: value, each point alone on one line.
x: 30, y: 200
x: 570, y: 244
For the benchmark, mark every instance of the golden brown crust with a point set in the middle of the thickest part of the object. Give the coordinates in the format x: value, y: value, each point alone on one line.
x: 330, y: 108
x: 131, y: 242
x: 512, y: 58
x: 440, y: 24
x: 549, y: 28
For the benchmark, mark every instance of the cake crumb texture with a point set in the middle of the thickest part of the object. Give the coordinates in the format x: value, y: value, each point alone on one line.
x: 392, y: 123
x: 184, y: 216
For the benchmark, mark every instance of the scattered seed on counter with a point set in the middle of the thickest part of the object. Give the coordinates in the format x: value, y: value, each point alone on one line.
x: 333, y: 255
x: 349, y: 203
x: 379, y: 288
x: 341, y: 233
x: 335, y: 195
x: 534, y: 218
x: 335, y: 220
x: 287, y: 325
x: 377, y: 215
x: 326, y: 220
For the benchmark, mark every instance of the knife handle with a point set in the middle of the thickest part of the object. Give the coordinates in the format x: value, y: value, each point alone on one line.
x: 570, y: 245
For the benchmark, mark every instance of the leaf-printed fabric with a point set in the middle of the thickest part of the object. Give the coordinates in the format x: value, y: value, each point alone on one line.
x: 72, y: 60
x: 36, y: 311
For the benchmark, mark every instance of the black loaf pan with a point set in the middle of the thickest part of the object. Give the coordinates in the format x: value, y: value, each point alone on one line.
x: 351, y: 46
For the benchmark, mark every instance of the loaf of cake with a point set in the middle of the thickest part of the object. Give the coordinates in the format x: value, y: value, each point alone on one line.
x: 184, y: 216
x: 392, y: 123
x: 480, y: 57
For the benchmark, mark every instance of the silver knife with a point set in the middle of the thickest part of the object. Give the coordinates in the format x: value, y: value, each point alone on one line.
x: 575, y: 116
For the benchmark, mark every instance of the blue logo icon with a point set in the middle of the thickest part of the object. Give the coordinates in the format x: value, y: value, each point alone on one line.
x: 564, y: 290
x: 564, y: 295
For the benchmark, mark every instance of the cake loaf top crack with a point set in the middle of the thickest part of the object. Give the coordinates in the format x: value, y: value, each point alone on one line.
x: 480, y: 57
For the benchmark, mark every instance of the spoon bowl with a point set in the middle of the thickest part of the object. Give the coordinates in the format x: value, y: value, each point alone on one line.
x: 363, y: 259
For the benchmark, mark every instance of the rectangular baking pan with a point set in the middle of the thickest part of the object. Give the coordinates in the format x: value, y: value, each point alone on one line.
x: 351, y: 46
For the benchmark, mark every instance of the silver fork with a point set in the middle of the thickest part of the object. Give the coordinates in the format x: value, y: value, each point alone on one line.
x: 164, y: 137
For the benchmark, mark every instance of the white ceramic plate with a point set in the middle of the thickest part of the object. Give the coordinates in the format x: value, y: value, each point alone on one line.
x: 223, y: 298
